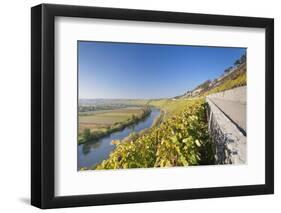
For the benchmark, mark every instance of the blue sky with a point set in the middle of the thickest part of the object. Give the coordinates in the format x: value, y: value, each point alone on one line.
x: 128, y: 70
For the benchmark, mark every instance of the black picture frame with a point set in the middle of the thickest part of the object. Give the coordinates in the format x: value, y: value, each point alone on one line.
x: 43, y: 101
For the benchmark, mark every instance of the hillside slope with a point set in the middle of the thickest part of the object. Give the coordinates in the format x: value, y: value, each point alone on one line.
x: 234, y: 78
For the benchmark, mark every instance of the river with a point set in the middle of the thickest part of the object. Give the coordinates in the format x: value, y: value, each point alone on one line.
x: 94, y: 152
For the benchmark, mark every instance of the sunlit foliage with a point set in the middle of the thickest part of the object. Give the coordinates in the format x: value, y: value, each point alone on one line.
x: 181, y: 140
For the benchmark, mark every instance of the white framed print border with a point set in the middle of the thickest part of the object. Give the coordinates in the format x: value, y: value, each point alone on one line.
x: 47, y: 38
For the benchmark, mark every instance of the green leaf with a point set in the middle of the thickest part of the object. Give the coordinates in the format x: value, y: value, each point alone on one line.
x: 197, y: 142
x: 174, y: 139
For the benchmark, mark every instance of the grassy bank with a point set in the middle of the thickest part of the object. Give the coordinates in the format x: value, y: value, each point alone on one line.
x: 180, y: 140
x: 169, y: 107
x: 238, y: 81
x: 99, y: 124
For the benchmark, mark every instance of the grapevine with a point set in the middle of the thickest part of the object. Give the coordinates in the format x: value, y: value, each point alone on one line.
x: 181, y: 140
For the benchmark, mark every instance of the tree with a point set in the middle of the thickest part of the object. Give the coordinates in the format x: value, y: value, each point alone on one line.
x: 243, y: 58
x: 86, y: 134
x: 134, y: 118
x: 204, y: 85
x: 237, y: 62
x: 227, y: 70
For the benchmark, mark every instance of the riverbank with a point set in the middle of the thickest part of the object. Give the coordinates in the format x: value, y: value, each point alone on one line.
x: 135, y: 135
x: 181, y: 140
x: 94, y: 152
x: 88, y: 135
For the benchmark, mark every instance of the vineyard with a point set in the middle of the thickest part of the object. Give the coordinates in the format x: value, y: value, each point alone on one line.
x: 181, y: 140
x: 150, y: 126
x: 239, y: 80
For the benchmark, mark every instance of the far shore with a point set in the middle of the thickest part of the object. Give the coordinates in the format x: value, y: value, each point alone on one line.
x: 87, y: 135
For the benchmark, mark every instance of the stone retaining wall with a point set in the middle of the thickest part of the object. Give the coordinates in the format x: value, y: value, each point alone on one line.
x: 229, y: 142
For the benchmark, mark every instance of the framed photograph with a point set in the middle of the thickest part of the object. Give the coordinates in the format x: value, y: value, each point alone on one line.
x: 140, y: 106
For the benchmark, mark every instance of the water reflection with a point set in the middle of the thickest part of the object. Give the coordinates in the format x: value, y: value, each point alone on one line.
x: 94, y: 144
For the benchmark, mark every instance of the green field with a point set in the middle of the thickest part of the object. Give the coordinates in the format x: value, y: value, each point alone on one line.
x: 93, y: 125
x: 104, y: 119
